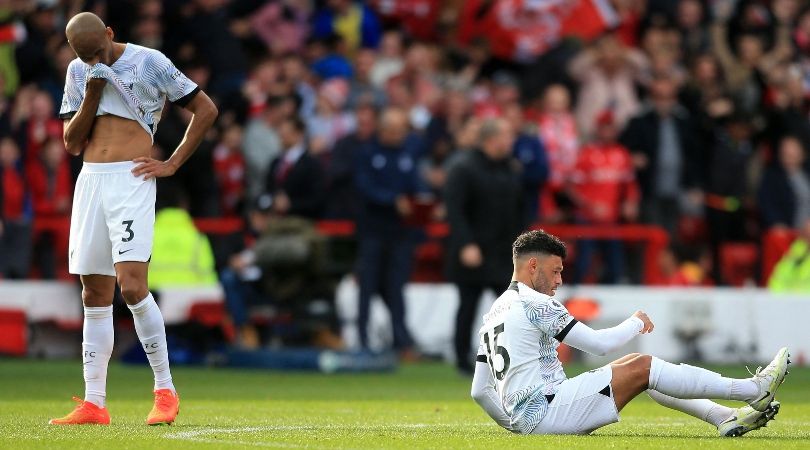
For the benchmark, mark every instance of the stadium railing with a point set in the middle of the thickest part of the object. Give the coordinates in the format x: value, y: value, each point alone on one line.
x: 655, y: 239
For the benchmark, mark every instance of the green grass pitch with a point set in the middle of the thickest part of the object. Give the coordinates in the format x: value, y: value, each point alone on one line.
x: 419, y: 406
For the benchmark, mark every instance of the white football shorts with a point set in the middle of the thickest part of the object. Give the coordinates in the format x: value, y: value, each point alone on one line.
x: 581, y: 405
x: 113, y: 218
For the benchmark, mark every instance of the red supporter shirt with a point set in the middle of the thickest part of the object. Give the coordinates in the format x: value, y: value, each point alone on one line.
x: 38, y: 132
x: 13, y: 194
x: 603, y: 180
x: 229, y: 168
x: 524, y: 29
x: 49, y: 191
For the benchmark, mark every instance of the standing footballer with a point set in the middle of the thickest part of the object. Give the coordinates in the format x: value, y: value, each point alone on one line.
x: 114, y: 95
x: 520, y: 382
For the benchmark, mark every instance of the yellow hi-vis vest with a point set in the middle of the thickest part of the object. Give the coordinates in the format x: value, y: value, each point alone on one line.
x: 181, y: 255
x: 792, y: 273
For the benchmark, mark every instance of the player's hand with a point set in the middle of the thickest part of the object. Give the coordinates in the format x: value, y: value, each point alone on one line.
x: 152, y: 168
x: 471, y: 256
x: 96, y: 84
x: 648, y: 325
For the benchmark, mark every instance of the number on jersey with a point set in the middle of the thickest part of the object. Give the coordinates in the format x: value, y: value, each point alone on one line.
x: 499, y: 360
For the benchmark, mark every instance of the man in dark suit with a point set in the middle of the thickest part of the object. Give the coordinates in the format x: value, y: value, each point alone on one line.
x: 296, y: 178
x: 667, y: 153
x: 484, y: 202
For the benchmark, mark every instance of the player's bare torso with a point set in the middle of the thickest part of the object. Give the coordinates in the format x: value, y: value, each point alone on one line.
x: 115, y: 139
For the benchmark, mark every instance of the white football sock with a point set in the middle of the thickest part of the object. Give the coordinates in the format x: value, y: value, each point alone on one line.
x: 705, y: 410
x: 97, y: 345
x: 684, y: 381
x: 152, y: 333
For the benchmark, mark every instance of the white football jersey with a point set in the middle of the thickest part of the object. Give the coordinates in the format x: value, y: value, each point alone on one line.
x: 520, y: 336
x: 143, y: 78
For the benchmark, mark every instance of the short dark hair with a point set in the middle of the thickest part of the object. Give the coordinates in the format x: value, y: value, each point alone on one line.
x: 297, y: 124
x: 538, y: 241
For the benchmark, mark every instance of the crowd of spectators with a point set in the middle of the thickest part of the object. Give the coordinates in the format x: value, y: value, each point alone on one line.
x: 689, y: 114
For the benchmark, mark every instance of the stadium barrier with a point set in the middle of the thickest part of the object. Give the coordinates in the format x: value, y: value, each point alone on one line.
x: 723, y: 325
x: 429, y: 254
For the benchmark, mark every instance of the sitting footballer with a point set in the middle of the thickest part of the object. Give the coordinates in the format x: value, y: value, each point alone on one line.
x: 520, y: 383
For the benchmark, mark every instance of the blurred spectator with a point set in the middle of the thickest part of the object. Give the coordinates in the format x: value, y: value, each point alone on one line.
x: 604, y: 190
x: 607, y: 73
x: 296, y: 73
x: 295, y: 179
x: 385, y: 175
x: 729, y: 184
x: 692, y: 20
x: 362, y: 88
x: 241, y: 277
x: 705, y: 95
x: 667, y: 155
x: 38, y: 124
x: 390, y: 59
x: 15, y: 213
x: 292, y: 257
x: 181, y: 255
x: 43, y: 36
x: 439, y: 138
x: 261, y: 143
x: 12, y: 33
x: 282, y: 25
x: 560, y: 137
x: 748, y: 59
x: 204, y: 24
x: 51, y: 188
x: 788, y: 113
x: 792, y: 273
x: 784, y: 192
x: 327, y: 58
x: 5, y: 109
x: 419, y: 18
x: 330, y: 122
x: 416, y: 89
x: 355, y: 22
x: 528, y: 150
x: 229, y: 168
x: 485, y: 213
x: 522, y: 30
x: 343, y: 200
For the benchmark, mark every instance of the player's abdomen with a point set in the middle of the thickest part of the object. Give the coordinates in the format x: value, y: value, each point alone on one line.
x: 116, y: 139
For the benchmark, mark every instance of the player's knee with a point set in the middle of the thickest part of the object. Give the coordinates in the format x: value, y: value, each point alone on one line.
x: 641, y: 367
x: 132, y: 289
x: 93, y: 297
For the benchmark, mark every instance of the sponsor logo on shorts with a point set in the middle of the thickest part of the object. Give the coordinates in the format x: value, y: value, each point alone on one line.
x: 121, y: 252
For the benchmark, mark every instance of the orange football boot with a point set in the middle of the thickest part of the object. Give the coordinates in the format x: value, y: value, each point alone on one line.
x: 167, y: 406
x: 85, y: 413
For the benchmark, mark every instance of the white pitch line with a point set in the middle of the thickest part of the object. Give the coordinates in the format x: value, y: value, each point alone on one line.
x: 201, y: 435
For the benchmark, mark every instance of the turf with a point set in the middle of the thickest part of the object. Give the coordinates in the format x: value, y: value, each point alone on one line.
x: 419, y: 406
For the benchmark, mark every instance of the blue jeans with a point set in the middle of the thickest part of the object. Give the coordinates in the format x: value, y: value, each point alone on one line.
x: 239, y: 295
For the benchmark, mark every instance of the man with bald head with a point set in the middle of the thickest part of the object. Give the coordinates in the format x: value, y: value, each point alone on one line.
x: 114, y: 96
x: 385, y: 176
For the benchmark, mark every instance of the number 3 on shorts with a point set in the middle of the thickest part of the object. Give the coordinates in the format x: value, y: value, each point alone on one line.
x: 128, y: 230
